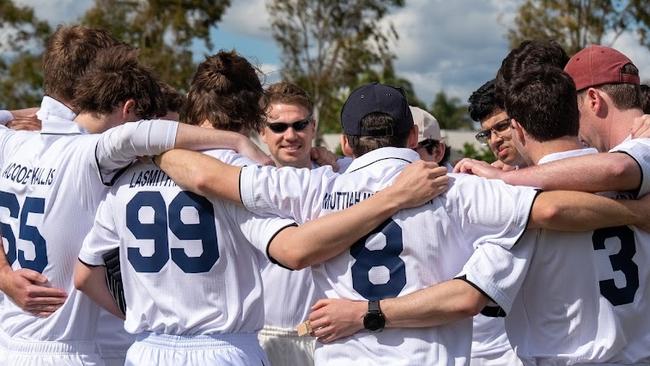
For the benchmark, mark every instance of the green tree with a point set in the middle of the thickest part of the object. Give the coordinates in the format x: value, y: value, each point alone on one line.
x: 326, y: 45
x: 163, y: 30
x: 577, y: 23
x: 450, y: 112
x: 485, y: 154
x: 22, y: 40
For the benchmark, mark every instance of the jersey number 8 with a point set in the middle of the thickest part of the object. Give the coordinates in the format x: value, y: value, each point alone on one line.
x: 164, y: 218
x: 388, y: 257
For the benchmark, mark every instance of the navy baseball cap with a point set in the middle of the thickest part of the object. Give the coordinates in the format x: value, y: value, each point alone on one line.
x: 373, y: 98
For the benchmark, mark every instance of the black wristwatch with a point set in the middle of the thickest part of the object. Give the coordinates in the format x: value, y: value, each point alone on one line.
x: 374, y: 319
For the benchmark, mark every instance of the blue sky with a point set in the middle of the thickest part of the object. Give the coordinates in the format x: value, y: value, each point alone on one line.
x: 453, y: 46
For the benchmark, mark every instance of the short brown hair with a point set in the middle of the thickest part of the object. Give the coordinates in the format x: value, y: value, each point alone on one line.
x: 288, y: 93
x: 376, y: 121
x: 174, y: 100
x: 114, y: 77
x: 68, y: 53
x: 227, y: 92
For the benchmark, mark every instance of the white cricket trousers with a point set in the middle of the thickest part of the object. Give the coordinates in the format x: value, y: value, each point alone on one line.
x: 47, y: 353
x: 285, y: 347
x: 236, y: 349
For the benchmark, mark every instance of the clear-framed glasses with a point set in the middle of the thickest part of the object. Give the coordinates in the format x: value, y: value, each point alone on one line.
x: 483, y: 136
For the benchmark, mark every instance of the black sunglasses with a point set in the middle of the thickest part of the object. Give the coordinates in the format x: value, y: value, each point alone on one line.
x: 280, y: 127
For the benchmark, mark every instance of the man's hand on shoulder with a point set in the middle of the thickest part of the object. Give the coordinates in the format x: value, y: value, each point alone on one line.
x: 25, y: 119
x: 322, y: 157
x: 479, y: 168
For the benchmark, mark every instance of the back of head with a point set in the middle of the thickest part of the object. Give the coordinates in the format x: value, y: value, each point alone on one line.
x: 285, y: 92
x: 114, y: 77
x: 484, y: 102
x: 543, y: 101
x: 608, y: 70
x: 529, y: 54
x: 174, y: 100
x: 227, y: 92
x: 375, y: 116
x: 69, y: 52
x: 645, y: 98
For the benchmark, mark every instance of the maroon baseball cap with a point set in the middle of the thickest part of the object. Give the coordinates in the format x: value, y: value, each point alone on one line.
x: 597, y: 65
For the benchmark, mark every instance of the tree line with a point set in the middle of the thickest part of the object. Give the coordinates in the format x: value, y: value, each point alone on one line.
x: 327, y: 47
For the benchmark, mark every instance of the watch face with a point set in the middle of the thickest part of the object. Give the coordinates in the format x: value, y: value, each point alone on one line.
x: 373, y: 321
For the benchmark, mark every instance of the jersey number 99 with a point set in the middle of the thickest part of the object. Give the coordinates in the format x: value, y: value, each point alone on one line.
x: 170, y: 218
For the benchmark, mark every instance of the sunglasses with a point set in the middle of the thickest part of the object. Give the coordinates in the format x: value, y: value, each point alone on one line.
x: 280, y: 127
x: 484, y: 135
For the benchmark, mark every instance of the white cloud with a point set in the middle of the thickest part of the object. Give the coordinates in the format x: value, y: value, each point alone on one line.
x: 59, y: 11
x: 248, y: 18
x: 453, y: 46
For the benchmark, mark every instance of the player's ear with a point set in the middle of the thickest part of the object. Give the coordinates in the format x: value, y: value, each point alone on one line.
x: 594, y: 100
x: 345, y: 146
x: 518, y: 131
x: 128, y: 110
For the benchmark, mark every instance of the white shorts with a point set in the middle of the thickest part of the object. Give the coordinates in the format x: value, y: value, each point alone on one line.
x: 44, y: 353
x: 506, y: 358
x: 285, y: 347
x: 112, y: 340
x: 219, y: 349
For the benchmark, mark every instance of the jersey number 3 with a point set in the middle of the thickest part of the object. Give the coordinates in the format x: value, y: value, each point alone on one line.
x: 387, y: 257
x: 164, y: 218
x: 621, y: 261
x: 26, y: 232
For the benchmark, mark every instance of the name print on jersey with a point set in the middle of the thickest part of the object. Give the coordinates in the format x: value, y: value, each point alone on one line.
x: 343, y: 200
x: 150, y: 178
x: 29, y: 175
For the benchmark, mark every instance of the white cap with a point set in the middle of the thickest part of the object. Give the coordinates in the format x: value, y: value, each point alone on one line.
x: 428, y: 127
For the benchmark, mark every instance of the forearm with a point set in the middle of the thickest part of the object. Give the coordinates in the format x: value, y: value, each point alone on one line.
x: 199, y: 138
x: 5, y: 268
x: 201, y: 174
x: 590, y: 173
x: 319, y: 240
x: 437, y: 305
x: 579, y: 211
x: 92, y: 282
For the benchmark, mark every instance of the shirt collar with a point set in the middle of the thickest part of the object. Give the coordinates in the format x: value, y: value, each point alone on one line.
x: 405, y: 155
x: 566, y: 154
x: 57, y: 118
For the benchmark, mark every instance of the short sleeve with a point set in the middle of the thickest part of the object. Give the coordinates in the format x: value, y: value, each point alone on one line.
x: 639, y: 150
x: 285, y: 192
x: 499, y: 273
x: 259, y: 230
x: 488, y: 210
x: 102, y: 238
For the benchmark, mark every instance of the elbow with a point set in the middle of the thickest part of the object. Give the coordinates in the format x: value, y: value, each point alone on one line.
x: 295, y: 261
x: 201, y: 182
x: 80, y: 282
x: 470, y: 308
x: 546, y: 215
